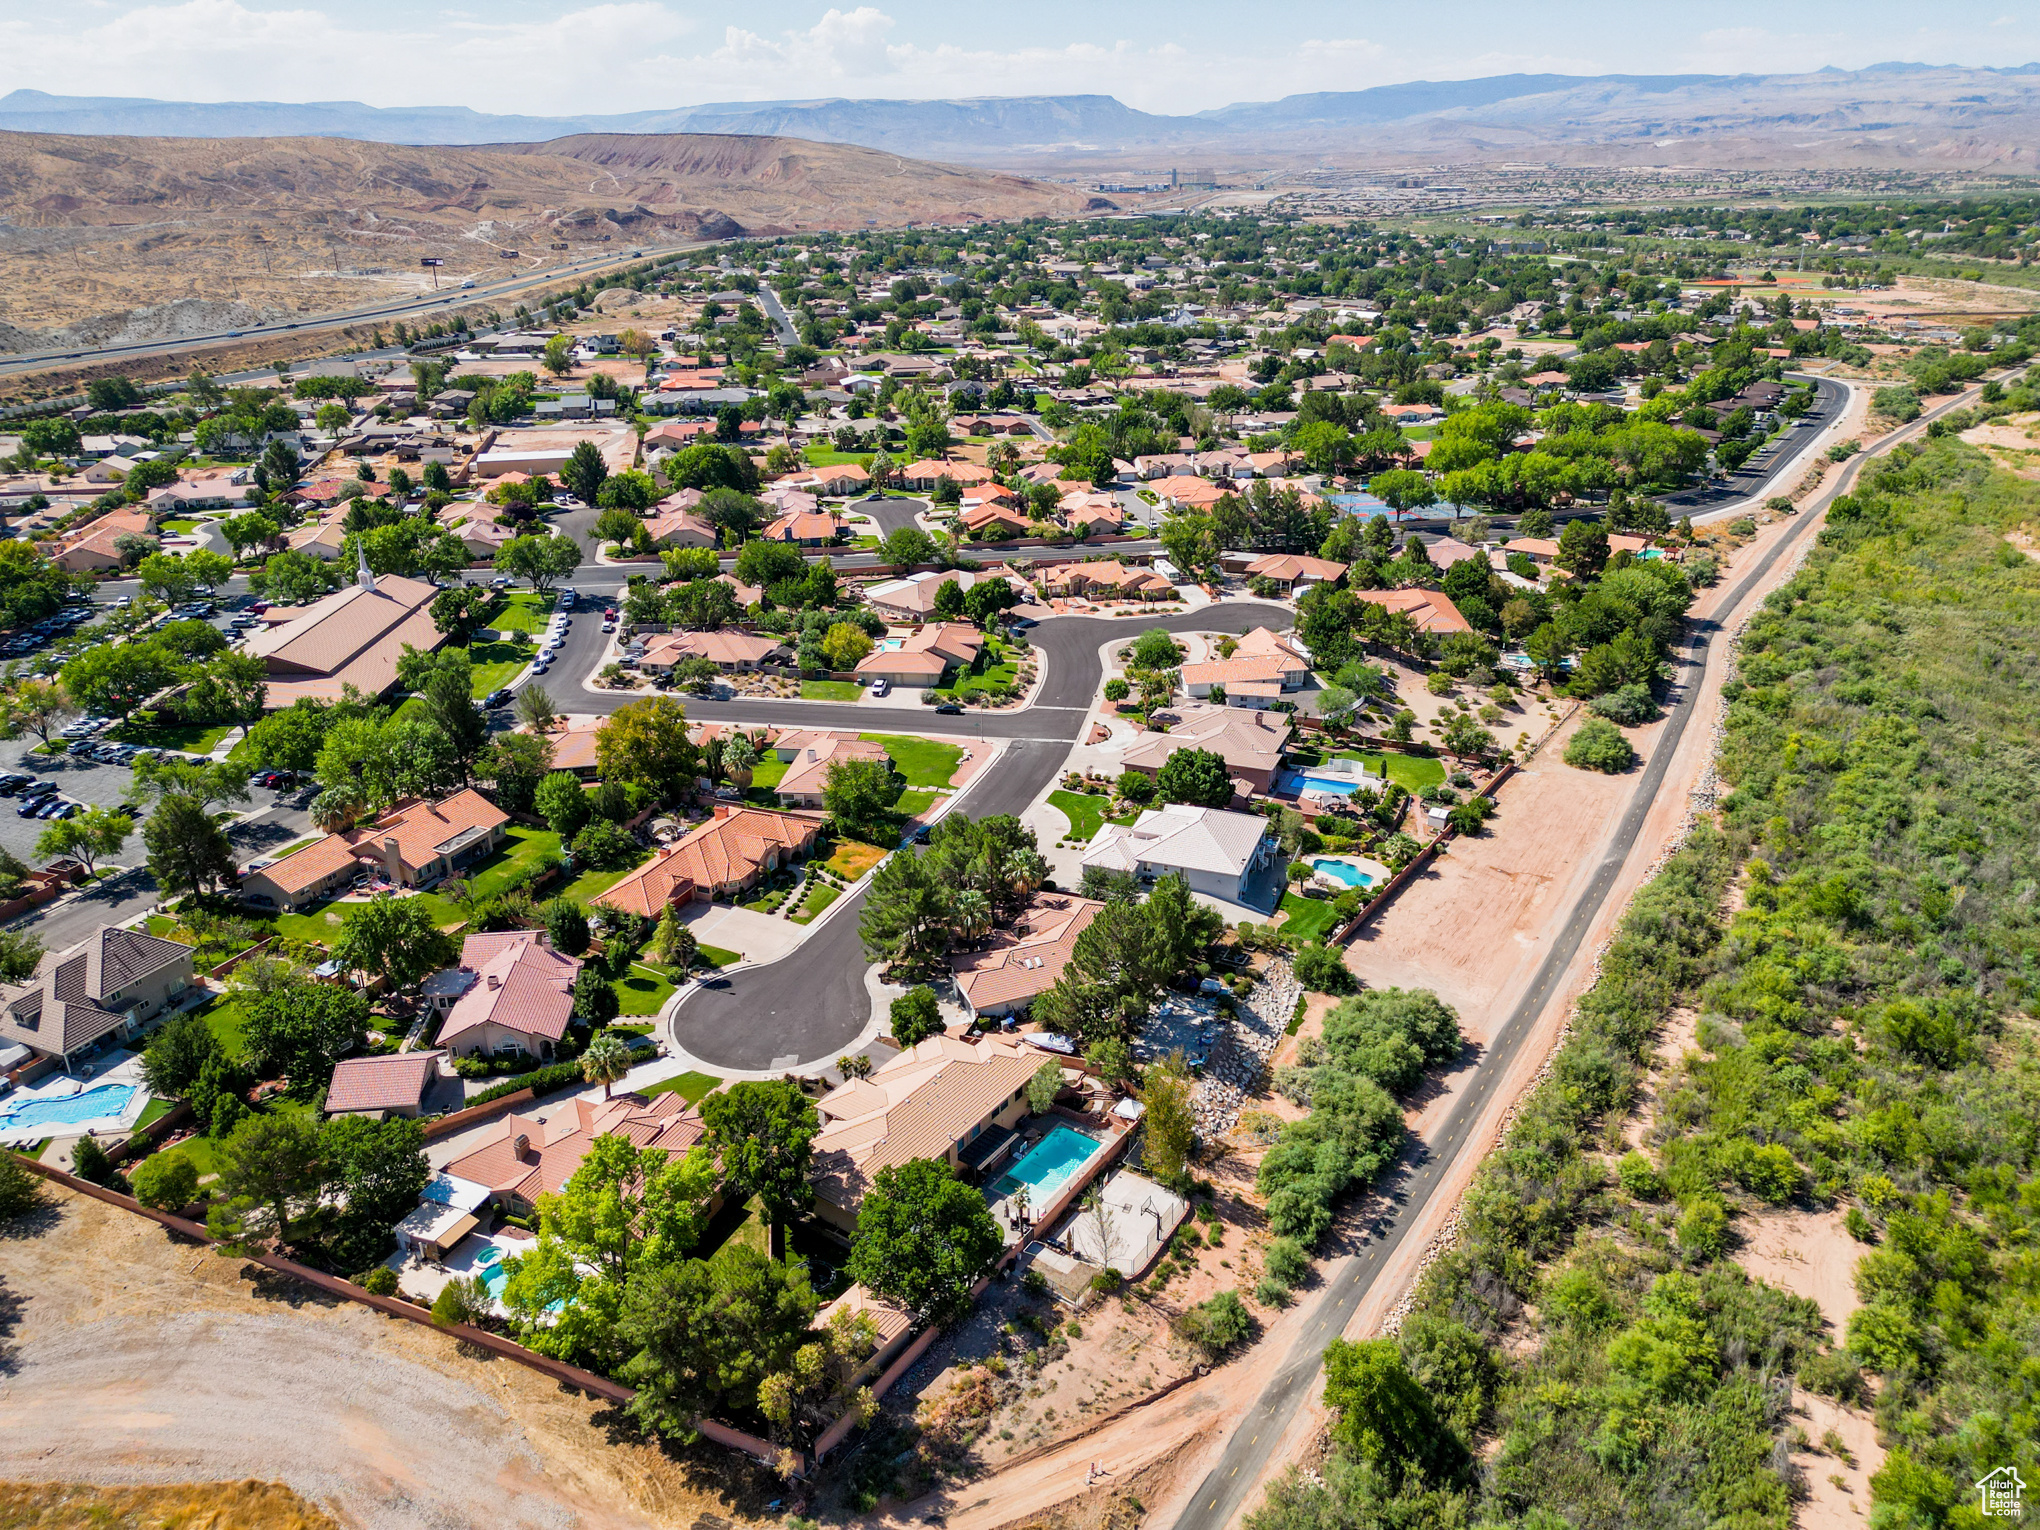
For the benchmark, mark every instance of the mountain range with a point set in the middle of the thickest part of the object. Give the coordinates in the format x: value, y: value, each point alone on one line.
x: 1895, y: 113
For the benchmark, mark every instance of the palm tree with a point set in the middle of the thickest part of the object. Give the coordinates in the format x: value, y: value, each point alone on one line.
x: 606, y: 1060
x: 970, y: 911
x: 739, y: 754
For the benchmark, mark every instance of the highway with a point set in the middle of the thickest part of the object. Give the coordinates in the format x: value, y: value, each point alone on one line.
x: 1405, y: 1195
x: 424, y: 305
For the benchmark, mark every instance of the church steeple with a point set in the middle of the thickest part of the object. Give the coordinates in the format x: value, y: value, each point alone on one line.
x: 364, y: 578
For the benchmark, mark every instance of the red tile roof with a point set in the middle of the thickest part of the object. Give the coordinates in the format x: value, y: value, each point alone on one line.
x: 381, y: 1083
x: 522, y: 985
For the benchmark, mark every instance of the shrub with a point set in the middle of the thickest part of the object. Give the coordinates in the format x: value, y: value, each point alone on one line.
x: 1287, y: 1261
x: 460, y: 1301
x: 1599, y: 745
x: 1117, y: 689
x: 380, y: 1281
x: 1703, y: 1229
x: 89, y: 1161
x: 20, y: 1191
x: 1323, y: 968
x: 1628, y: 705
x: 1216, y: 1325
x: 166, y: 1181
x: 603, y: 846
x: 1107, y: 1281
x: 1272, y: 1293
x: 1639, y: 1177
x: 1859, y: 1226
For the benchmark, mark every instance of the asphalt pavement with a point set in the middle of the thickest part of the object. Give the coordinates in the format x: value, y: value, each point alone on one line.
x: 811, y: 1004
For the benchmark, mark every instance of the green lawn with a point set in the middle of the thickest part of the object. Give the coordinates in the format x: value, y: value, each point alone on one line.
x: 495, y: 665
x: 769, y: 772
x: 828, y: 456
x: 965, y: 686
x: 1085, y: 812
x: 199, y: 1150
x: 716, y: 956
x: 523, y: 846
x: 819, y: 897
x: 154, y: 1111
x: 291, y: 849
x: 922, y: 763
x: 1413, y: 772
x: 1308, y: 918
x: 689, y: 1086
x: 321, y: 923
x: 830, y: 690
x: 913, y: 804
x: 590, y: 885
x: 180, y: 528
x: 521, y: 612
x: 226, y: 1019
x: 186, y: 736
x: 645, y: 991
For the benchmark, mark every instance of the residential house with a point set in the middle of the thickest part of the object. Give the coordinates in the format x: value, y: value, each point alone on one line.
x: 722, y: 858
x: 573, y: 744
x: 1104, y: 580
x: 1251, y: 743
x: 1216, y: 851
x: 91, y: 549
x: 992, y: 518
x: 912, y: 599
x: 108, y: 987
x: 729, y: 649
x: 218, y: 492
x: 939, y: 1099
x: 675, y: 521
x: 534, y: 1152
x: 1244, y: 669
x: 804, y: 529
x: 1431, y: 610
x: 1542, y: 551
x: 1293, y: 572
x: 394, y: 1084
x: 1090, y: 514
x: 1189, y: 492
x: 809, y: 764
x: 518, y: 998
x: 325, y: 539
x: 922, y: 476
x: 925, y: 655
x: 1023, y: 960
x: 414, y: 844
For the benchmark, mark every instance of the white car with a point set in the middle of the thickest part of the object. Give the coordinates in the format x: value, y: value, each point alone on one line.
x: 609, y: 626
x: 881, y: 687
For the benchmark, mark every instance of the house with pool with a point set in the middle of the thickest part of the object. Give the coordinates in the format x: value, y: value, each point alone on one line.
x: 962, y: 1100
x: 106, y: 989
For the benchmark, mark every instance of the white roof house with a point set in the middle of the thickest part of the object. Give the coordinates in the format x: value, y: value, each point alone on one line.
x: 1217, y: 851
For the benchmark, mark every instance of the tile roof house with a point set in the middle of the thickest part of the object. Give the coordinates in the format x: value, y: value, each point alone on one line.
x: 1292, y: 569
x: 1431, y: 610
x: 925, y: 655
x: 319, y: 539
x: 91, y: 549
x: 727, y: 648
x: 1104, y: 580
x: 1021, y: 961
x: 532, y: 1153
x: 811, y: 528
x: 993, y: 516
x: 1218, y: 852
x: 573, y: 743
x: 414, y: 844
x: 1243, y: 669
x: 718, y: 859
x: 912, y: 599
x: 928, y: 472
x: 808, y: 773
x: 1189, y: 492
x: 519, y: 997
x: 928, y: 1102
x: 1090, y: 514
x: 108, y: 985
x: 353, y: 637
x: 1251, y: 743
x: 396, y: 1084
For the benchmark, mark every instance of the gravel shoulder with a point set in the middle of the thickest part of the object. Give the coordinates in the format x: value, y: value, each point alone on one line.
x: 129, y: 1357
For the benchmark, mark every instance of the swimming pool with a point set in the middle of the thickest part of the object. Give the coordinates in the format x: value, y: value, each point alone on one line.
x: 1335, y: 786
x: 891, y: 645
x: 66, y: 1110
x: 1342, y: 871
x: 1048, y: 1165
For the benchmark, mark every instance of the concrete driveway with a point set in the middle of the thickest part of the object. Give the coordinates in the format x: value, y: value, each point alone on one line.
x: 760, y: 937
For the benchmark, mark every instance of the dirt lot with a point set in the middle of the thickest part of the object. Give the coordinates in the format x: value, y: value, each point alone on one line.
x: 133, y: 1358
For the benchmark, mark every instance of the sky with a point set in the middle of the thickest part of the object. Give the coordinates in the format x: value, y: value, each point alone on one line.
x: 569, y: 58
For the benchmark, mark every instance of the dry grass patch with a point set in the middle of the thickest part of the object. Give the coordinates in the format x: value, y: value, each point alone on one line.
x: 181, y: 1506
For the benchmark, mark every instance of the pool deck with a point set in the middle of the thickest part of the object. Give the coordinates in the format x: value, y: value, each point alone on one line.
x: 123, y: 1070
x: 426, y: 1278
x: 1001, y: 1208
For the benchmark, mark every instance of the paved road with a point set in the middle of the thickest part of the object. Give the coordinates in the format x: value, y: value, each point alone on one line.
x: 1407, y: 1192
x: 422, y: 306
x: 811, y: 1004
x: 1752, y: 483
x: 782, y: 326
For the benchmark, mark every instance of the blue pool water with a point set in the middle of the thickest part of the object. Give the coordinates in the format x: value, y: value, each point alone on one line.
x: 89, y: 1105
x: 1342, y: 871
x: 1048, y: 1165
x: 1337, y: 786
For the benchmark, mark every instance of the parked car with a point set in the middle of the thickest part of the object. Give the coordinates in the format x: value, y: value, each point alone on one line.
x: 9, y: 785
x: 881, y: 687
x: 542, y: 666
x: 29, y: 808
x: 498, y: 698
x: 63, y: 810
x: 609, y: 626
x: 947, y: 708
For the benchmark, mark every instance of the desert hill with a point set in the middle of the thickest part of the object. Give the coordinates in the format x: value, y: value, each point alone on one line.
x: 107, y: 238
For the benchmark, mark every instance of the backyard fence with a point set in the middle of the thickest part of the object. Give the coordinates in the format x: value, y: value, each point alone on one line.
x: 1411, y: 872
